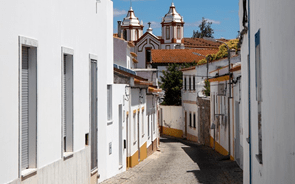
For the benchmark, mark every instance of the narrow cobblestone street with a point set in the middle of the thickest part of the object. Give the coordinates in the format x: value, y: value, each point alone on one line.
x: 179, y: 162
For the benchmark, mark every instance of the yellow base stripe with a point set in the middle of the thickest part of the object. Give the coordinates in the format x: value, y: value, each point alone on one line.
x: 219, y: 148
x: 143, y: 152
x: 133, y: 160
x: 172, y: 132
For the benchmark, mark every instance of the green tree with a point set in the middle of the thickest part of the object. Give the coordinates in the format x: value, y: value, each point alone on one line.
x: 205, y: 30
x: 206, y: 91
x: 172, y: 85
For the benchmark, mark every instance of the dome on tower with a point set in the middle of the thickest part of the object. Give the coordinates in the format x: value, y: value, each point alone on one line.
x: 131, y: 19
x: 172, y: 16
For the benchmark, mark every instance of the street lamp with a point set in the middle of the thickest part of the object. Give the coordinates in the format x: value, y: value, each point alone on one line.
x: 228, y: 111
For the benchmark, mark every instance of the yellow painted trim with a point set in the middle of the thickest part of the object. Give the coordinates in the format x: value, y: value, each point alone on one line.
x: 134, y: 112
x: 143, y: 152
x: 133, y: 160
x: 172, y: 132
x: 189, y: 102
x: 219, y: 148
x: 219, y: 79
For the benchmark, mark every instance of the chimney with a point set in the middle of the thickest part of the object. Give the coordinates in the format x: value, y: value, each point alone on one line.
x: 119, y: 29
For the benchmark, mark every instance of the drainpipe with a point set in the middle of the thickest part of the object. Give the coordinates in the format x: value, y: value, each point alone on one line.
x: 228, y: 110
x: 249, y: 96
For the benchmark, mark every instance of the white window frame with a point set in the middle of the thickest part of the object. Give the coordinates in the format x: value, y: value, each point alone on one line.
x: 32, y: 106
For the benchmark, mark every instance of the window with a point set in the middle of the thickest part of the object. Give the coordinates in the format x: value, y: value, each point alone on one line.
x: 125, y: 34
x: 178, y: 32
x: 190, y: 83
x: 258, y: 93
x: 148, y: 55
x: 190, y: 119
x: 194, y: 83
x: 136, y: 34
x: 93, y: 105
x: 184, y: 83
x: 67, y: 61
x: 142, y: 117
x: 167, y: 32
x: 28, y: 101
x: 194, y: 120
x: 109, y: 102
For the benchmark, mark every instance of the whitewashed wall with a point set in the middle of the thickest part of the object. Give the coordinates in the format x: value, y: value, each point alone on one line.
x: 53, y: 26
x: 276, y: 24
x: 172, y: 117
x: 112, y: 166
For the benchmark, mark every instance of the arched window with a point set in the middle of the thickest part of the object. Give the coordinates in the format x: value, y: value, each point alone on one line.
x: 178, y: 32
x: 125, y: 34
x: 167, y: 32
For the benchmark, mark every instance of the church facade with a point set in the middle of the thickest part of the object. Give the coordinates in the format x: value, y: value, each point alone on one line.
x: 131, y: 29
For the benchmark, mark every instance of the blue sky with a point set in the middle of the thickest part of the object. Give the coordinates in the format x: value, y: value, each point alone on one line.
x: 223, y: 14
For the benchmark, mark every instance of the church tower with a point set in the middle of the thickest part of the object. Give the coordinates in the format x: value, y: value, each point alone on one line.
x: 131, y: 28
x: 172, y: 29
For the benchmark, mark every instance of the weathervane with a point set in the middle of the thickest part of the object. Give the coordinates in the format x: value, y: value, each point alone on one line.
x: 130, y: 3
x: 149, y: 24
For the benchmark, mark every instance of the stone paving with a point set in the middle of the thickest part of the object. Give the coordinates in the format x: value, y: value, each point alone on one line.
x: 181, y: 162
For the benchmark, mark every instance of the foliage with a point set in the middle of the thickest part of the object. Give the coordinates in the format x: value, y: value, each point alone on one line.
x: 206, y: 91
x: 205, y: 30
x: 222, y: 53
x: 172, y: 85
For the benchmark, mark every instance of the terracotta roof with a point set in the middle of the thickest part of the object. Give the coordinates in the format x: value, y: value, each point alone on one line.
x: 200, y: 43
x: 142, y: 82
x: 223, y: 40
x: 180, y: 55
x: 133, y: 54
x: 154, y: 90
x: 219, y: 78
x: 235, y: 68
x: 131, y: 44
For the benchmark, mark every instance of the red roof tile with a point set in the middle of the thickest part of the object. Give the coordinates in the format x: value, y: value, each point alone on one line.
x: 180, y: 55
x: 200, y: 43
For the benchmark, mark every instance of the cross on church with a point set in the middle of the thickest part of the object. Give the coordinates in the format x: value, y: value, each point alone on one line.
x: 149, y: 24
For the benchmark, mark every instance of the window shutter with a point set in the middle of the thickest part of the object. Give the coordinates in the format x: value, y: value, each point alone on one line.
x: 65, y: 99
x: 25, y: 109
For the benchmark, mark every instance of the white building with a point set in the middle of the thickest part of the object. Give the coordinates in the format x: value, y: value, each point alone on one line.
x: 225, y: 135
x: 140, y: 102
x: 193, y: 86
x: 52, y: 64
x: 267, y: 52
